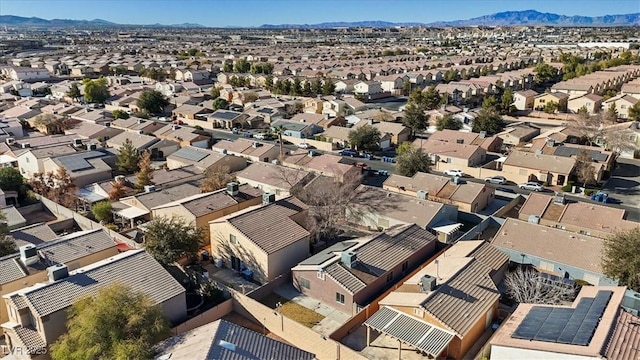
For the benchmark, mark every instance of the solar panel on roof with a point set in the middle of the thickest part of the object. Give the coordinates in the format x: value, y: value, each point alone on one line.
x: 562, y: 325
x: 190, y: 154
x: 567, y: 151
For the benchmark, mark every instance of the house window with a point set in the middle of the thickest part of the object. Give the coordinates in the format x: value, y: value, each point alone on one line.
x: 304, y: 283
x: 418, y: 312
x: 390, y: 277
x: 339, y: 298
x: 233, y: 240
x: 27, y: 160
x: 320, y: 275
x: 405, y: 266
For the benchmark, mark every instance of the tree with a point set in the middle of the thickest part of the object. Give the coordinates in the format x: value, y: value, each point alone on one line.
x: 102, y: 211
x: 120, y: 114
x: 431, y: 98
x: 406, y: 88
x: 216, y: 178
x: 11, y: 179
x: 52, y: 124
x: 589, y: 127
x: 152, y: 101
x: 316, y: 87
x: 415, y: 118
x: 118, y: 190
x: 249, y: 97
x: 365, y: 138
x: 583, y: 169
x: 551, y: 107
x: 170, y: 239
x: 489, y: 121
x: 620, y: 259
x: 448, y: 122
x: 116, y: 323
x: 634, y: 112
x: 7, y: 243
x: 241, y: 66
x: 58, y: 186
x: 545, y: 74
x: 403, y: 148
x: 279, y: 130
x: 74, y: 92
x: 227, y: 67
x: 490, y: 103
x: 328, y: 88
x: 128, y: 158
x: 220, y: 103
x: 412, y: 161
x: 611, y: 114
x: 506, y: 102
x: 215, y: 92
x: 526, y: 286
x: 144, y: 175
x: 617, y: 140
x: 95, y: 91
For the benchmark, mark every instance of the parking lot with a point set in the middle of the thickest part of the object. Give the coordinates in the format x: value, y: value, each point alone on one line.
x: 624, y: 183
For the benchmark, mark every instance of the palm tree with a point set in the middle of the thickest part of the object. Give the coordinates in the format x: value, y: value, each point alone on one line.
x: 279, y: 130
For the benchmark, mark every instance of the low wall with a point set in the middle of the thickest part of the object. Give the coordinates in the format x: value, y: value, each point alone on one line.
x: 206, y: 317
x: 295, y: 333
x: 85, y: 223
x: 481, y: 173
x: 518, y: 200
x: 320, y: 145
x: 26, y: 210
x: 271, y: 286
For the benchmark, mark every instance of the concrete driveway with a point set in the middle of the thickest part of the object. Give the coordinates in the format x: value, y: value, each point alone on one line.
x: 624, y: 183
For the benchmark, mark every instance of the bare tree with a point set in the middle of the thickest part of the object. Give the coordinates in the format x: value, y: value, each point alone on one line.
x: 216, y: 178
x: 584, y: 169
x: 57, y: 186
x: 589, y: 127
x: 527, y: 286
x: 619, y: 140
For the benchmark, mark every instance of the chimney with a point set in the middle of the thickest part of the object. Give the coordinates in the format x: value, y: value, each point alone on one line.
x: 29, y: 254
x: 57, y: 272
x: 233, y: 188
x: 268, y: 198
x: 349, y: 259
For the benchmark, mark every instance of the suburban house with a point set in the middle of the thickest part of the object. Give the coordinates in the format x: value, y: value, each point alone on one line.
x: 601, y: 160
x: 274, y: 179
x: 27, y: 74
x: 518, y: 134
x: 84, y: 167
x: 622, y: 103
x: 254, y: 151
x: 468, y: 196
x: 297, y: 130
x: 38, y: 314
x: 560, y: 98
x: 553, y: 250
x: 188, y: 112
x: 350, y: 274
x: 375, y: 208
x: 450, y: 302
x: 591, y: 102
x: 367, y: 88
x: 397, y: 132
x: 262, y: 241
x: 88, y: 130
x: 592, y: 327
x: 27, y: 267
x: 182, y: 135
x: 575, y: 216
x: 32, y: 161
x: 321, y: 164
x: 204, y: 159
x: 488, y: 143
x: 199, y: 209
x: 228, y: 119
x: 159, y: 148
x: 455, y: 153
x: 524, y: 100
x: 138, y: 207
x: 521, y: 166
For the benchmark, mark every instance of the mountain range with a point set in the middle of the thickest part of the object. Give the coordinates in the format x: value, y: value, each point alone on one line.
x: 506, y: 18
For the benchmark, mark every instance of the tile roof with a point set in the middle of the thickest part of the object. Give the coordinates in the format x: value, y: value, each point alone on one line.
x: 136, y: 269
x: 76, y: 245
x: 344, y: 277
x: 551, y: 163
x: 272, y: 174
x: 460, y: 302
x: 163, y: 196
x: 10, y: 269
x: 270, y: 227
x: 29, y: 338
x: 550, y: 243
x: 624, y: 343
x: 447, y: 149
x: 207, y: 203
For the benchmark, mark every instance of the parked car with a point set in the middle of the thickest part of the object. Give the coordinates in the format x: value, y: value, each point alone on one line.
x: 177, y: 122
x: 500, y: 180
x: 533, y: 186
x: 349, y: 152
x: 454, y: 172
x: 303, y: 145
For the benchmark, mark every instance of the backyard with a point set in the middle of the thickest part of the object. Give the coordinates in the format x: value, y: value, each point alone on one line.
x: 293, y: 311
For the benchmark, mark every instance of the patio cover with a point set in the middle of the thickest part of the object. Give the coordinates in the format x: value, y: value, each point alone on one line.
x: 447, y: 227
x: 410, y: 330
x: 132, y: 213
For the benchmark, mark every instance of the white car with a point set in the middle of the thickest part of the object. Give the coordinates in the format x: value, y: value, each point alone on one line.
x: 259, y: 136
x: 303, y: 145
x: 533, y: 186
x: 454, y: 172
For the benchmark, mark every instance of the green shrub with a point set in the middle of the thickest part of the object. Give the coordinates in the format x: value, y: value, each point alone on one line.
x: 568, y: 187
x: 102, y: 211
x: 588, y: 192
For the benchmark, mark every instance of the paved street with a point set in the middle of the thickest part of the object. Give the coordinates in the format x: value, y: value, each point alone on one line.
x: 624, y: 183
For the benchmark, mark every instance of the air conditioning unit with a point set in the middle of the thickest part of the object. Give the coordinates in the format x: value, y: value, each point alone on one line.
x: 422, y: 194
x: 233, y: 188
x: 77, y: 142
x: 25, y: 145
x: 29, y: 254
x: 140, y: 132
x: 149, y: 188
x: 428, y: 283
x: 92, y: 147
x: 349, y: 258
x: 140, y: 121
x: 57, y: 272
x: 268, y: 198
x: 120, y: 178
x: 459, y: 141
x: 107, y: 124
x: 10, y: 141
x: 175, y: 127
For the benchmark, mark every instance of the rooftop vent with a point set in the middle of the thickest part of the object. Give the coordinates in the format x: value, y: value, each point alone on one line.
x: 10, y: 141
x: 255, y: 144
x: 29, y: 254
x: 233, y: 188
x: 149, y: 188
x: 77, y: 142
x: 175, y: 127
x: 57, y: 272
x: 428, y: 283
x: 140, y: 121
x: 25, y: 145
x: 120, y: 178
x: 227, y: 345
x: 92, y: 147
x: 349, y: 259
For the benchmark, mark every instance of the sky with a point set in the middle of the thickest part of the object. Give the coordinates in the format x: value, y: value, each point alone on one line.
x: 222, y: 13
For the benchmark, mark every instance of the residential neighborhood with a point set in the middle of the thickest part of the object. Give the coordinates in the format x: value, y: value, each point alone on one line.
x: 331, y: 191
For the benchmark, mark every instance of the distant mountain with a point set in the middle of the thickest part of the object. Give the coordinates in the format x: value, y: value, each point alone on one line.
x: 507, y: 18
x: 533, y: 17
x: 19, y: 21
